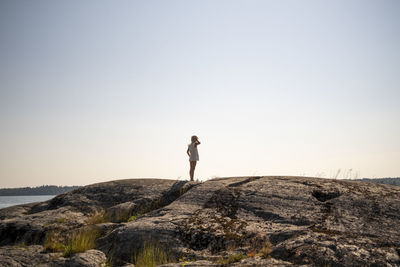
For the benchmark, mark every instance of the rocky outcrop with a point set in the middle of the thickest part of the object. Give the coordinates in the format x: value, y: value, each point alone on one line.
x: 35, y: 256
x: 239, y: 221
x: 116, y: 201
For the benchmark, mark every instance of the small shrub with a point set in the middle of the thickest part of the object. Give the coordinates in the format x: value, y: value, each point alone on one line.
x: 80, y: 241
x: 151, y: 255
x: 265, y: 251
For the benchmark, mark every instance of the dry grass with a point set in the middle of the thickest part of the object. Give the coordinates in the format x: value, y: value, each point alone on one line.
x: 265, y: 251
x: 52, y: 242
x: 251, y: 254
x: 232, y: 258
x: 61, y: 220
x: 96, y: 218
x: 81, y: 241
x: 151, y: 255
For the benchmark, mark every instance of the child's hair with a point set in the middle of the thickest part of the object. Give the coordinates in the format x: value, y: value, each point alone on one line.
x: 194, y: 138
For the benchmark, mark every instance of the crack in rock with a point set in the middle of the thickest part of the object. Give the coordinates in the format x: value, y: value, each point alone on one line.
x: 323, y: 196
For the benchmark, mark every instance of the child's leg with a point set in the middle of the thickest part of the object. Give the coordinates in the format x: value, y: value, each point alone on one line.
x: 192, y: 167
x: 191, y: 170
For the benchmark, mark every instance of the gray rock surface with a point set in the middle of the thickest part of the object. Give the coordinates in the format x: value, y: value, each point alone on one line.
x: 18, y: 256
x: 239, y: 221
x: 90, y: 258
x: 35, y: 256
x: 28, y: 224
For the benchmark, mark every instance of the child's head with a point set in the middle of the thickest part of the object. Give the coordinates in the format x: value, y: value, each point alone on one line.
x: 194, y: 138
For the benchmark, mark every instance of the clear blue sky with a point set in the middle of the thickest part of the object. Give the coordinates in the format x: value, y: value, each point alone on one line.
x: 97, y: 90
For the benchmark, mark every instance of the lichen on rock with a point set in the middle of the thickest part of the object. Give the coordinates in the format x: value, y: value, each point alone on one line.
x: 268, y: 221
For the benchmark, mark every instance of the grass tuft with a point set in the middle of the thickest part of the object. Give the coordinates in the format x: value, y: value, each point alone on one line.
x: 265, y: 251
x: 81, y: 241
x: 134, y: 217
x: 52, y: 242
x: 61, y: 220
x: 151, y: 255
x: 76, y: 242
x: 96, y: 218
x: 109, y: 262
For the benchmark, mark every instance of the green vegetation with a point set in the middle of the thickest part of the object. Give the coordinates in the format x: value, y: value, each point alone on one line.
x: 52, y: 242
x: 233, y: 258
x: 61, y: 220
x: 79, y: 241
x: 184, y: 261
x: 96, y: 218
x: 265, y: 251
x: 102, y: 217
x: 151, y: 255
x: 109, y: 262
x: 134, y: 217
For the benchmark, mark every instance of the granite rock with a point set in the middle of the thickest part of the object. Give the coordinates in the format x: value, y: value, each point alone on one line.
x: 238, y: 221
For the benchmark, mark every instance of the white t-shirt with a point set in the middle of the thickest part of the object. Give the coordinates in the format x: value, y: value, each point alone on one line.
x: 194, y: 154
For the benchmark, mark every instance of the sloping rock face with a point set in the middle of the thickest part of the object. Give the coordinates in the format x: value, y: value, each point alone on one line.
x: 117, y: 200
x: 239, y: 221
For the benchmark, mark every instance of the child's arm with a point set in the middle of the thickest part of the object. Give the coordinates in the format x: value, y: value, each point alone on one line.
x: 197, y: 143
x: 187, y: 151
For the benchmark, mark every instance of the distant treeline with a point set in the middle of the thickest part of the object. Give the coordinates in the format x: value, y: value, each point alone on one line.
x: 36, y: 191
x: 392, y: 181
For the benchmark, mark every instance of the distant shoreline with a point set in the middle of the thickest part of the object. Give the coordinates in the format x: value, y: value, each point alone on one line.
x: 45, y: 190
x: 389, y: 180
x: 9, y: 201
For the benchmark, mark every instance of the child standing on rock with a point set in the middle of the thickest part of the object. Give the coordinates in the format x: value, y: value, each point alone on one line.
x: 193, y: 155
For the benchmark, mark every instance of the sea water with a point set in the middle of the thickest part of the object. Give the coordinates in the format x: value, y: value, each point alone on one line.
x: 7, y: 201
